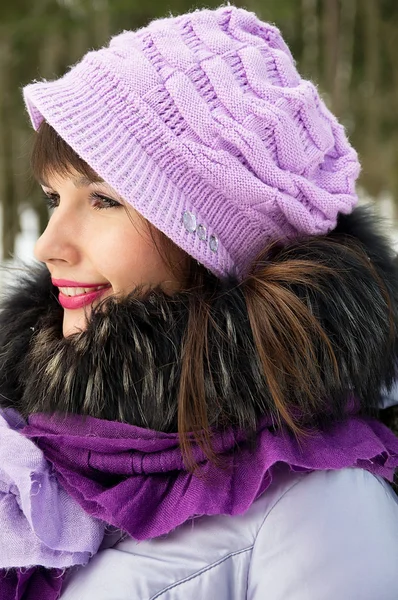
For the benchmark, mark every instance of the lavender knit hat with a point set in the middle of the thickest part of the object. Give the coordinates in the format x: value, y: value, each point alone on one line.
x: 203, y: 124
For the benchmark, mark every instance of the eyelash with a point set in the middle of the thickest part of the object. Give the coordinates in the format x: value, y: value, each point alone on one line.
x: 52, y: 201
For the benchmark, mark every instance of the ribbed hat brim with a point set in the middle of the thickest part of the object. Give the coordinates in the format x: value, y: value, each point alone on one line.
x: 74, y: 109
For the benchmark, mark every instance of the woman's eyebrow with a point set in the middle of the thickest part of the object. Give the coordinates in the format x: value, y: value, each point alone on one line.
x: 81, y: 181
x: 84, y: 181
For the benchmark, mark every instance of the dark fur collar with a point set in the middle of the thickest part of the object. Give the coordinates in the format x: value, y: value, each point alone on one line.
x: 127, y: 365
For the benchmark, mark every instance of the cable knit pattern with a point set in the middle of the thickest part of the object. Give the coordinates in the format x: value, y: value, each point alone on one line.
x: 204, y: 125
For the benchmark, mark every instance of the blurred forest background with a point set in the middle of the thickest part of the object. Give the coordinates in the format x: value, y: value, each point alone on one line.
x: 348, y: 47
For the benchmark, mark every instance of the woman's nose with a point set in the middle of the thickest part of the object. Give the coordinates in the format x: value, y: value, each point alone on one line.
x: 59, y: 241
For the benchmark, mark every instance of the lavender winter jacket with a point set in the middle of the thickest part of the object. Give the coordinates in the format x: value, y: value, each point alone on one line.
x: 321, y: 536
x: 329, y: 533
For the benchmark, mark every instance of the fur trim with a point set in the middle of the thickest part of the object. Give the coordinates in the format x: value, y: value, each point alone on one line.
x: 126, y: 366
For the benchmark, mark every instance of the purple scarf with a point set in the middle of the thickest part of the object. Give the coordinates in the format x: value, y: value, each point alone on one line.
x: 135, y: 480
x: 49, y: 528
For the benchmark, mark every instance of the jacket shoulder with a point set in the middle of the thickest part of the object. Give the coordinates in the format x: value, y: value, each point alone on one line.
x: 333, y: 535
x: 326, y: 535
x: 206, y: 557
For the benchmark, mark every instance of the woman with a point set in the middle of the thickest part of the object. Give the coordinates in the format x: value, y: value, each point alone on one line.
x: 190, y: 385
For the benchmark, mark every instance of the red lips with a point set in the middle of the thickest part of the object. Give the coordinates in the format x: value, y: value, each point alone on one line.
x: 74, y: 302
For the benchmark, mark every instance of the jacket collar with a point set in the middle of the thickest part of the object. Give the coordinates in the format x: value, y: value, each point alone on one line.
x: 126, y: 365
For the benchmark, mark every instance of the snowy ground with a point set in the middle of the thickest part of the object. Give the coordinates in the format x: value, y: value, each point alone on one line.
x: 26, y: 240
x: 23, y: 249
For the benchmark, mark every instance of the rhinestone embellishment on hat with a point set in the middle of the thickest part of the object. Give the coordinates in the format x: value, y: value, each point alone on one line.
x: 213, y: 243
x: 190, y: 223
x: 202, y: 232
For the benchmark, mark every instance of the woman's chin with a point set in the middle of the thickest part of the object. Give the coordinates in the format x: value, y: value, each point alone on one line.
x: 75, y: 320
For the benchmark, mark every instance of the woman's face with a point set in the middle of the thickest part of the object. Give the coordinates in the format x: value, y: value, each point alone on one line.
x: 95, y: 240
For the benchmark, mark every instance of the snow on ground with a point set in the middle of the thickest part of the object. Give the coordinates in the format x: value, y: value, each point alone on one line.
x: 24, y: 246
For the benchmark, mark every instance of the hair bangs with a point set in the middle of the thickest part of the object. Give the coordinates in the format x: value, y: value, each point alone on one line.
x: 52, y: 156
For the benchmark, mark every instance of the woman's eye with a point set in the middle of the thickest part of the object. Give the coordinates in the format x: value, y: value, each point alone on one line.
x: 99, y: 202
x: 52, y: 200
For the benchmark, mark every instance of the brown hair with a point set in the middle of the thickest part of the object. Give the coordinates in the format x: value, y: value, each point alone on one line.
x: 287, y: 334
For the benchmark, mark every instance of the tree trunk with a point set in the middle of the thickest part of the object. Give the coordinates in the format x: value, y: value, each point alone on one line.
x: 331, y: 44
x: 101, y: 22
x: 310, y: 56
x: 373, y: 163
x: 372, y: 67
x: 341, y: 91
x: 9, y: 199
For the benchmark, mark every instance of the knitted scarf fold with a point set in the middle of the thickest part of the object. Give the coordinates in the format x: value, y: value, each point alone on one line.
x: 40, y: 524
x: 135, y: 479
